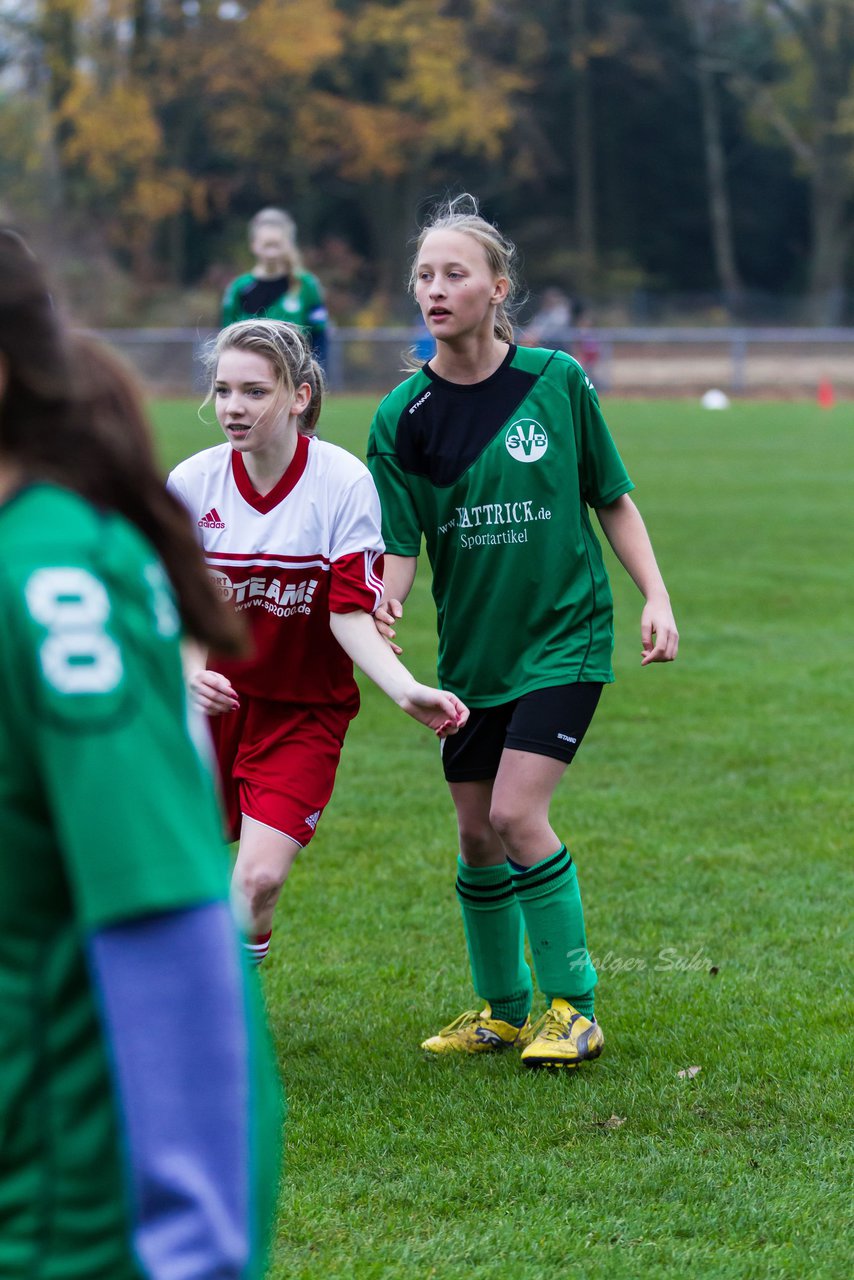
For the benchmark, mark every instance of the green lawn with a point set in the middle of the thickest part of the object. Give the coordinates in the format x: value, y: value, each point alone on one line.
x: 710, y: 816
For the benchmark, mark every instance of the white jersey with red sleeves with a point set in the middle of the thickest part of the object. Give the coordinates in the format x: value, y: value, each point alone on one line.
x: 285, y: 560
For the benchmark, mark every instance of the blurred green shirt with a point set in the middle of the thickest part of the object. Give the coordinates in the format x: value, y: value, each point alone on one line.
x: 108, y: 814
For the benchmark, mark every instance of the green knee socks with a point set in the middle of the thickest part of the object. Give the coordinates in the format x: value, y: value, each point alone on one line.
x: 495, y: 937
x: 550, y: 900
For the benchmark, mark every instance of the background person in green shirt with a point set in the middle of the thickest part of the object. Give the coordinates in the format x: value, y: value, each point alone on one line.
x: 494, y: 453
x: 139, y: 1111
x: 278, y: 286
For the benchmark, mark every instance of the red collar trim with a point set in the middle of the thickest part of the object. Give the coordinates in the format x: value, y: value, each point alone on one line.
x: 266, y: 501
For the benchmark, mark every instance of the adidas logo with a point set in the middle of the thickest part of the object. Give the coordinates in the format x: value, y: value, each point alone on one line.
x: 213, y: 520
x: 313, y: 819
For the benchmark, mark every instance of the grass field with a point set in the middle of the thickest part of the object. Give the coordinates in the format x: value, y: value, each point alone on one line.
x: 710, y: 815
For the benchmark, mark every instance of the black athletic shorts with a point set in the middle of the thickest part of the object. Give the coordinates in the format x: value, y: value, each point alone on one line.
x: 547, y: 722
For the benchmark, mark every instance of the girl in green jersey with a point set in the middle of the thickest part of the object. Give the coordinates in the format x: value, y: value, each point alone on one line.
x: 278, y: 286
x: 138, y: 1105
x: 495, y: 454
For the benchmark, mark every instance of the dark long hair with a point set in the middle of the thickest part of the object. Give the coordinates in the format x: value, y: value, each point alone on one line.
x: 72, y: 414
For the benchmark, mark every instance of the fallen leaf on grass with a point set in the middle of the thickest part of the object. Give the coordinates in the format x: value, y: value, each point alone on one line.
x: 613, y: 1122
x: 688, y: 1073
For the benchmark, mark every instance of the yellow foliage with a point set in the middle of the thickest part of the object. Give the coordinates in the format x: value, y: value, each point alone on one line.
x: 799, y: 83
x: 451, y: 94
x: 360, y: 139
x: 113, y: 132
x: 76, y: 9
x: 468, y: 108
x: 156, y: 196
x: 295, y: 35
x: 401, y: 83
x: 117, y: 142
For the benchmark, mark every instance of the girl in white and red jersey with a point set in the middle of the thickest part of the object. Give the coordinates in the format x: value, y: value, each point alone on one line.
x: 291, y: 532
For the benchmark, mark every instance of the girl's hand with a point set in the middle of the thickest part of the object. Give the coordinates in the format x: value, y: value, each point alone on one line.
x: 439, y: 710
x: 659, y: 637
x: 212, y: 693
x: 384, y: 618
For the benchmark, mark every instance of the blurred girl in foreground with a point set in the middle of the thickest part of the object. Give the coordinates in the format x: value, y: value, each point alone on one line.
x: 138, y: 1107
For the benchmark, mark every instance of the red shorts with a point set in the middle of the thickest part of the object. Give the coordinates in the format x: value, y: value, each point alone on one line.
x: 277, y: 763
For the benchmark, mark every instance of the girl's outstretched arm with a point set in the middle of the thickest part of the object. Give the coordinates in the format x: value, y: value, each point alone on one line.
x: 441, y: 711
x: 211, y: 692
x: 625, y: 530
x: 398, y: 576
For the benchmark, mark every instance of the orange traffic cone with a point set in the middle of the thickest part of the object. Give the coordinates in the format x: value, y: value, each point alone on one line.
x: 825, y: 395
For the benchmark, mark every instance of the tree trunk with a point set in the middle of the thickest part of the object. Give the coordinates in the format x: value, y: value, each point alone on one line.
x: 60, y: 45
x: 585, y: 175
x: 830, y: 48
x: 719, y: 205
x: 825, y: 33
x: 388, y: 206
x: 831, y: 241
x: 141, y: 30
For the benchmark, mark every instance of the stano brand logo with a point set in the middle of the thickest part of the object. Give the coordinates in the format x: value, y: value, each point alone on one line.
x: 420, y: 401
x: 526, y: 440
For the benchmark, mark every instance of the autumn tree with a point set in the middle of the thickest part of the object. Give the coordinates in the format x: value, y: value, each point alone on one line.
x: 157, y: 108
x: 629, y: 146
x: 417, y: 82
x: 801, y: 87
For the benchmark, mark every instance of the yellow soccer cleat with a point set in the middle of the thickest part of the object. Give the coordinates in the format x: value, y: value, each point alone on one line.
x: 563, y: 1037
x: 474, y: 1032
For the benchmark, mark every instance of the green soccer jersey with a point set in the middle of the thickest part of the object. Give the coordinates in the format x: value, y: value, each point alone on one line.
x: 498, y: 477
x: 108, y: 814
x: 299, y: 302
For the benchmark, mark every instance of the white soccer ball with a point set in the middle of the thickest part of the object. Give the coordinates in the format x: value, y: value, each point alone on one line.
x: 715, y: 399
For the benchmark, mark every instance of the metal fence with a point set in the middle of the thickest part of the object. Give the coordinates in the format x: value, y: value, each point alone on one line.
x: 636, y: 361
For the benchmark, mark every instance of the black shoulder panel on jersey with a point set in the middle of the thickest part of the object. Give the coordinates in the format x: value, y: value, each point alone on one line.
x: 256, y: 297
x: 447, y: 426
